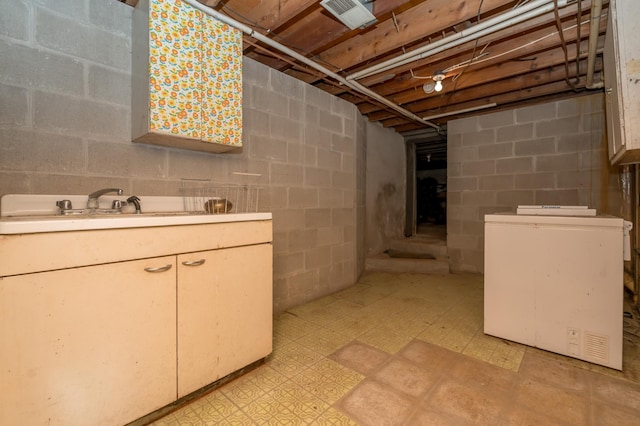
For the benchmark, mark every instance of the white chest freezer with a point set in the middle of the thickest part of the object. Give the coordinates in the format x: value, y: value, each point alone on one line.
x: 556, y: 283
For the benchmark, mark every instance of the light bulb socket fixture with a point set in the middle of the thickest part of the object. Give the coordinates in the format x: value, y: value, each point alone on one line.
x: 438, y: 77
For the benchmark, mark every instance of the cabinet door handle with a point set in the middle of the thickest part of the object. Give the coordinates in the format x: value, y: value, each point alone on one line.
x: 159, y: 268
x: 193, y: 263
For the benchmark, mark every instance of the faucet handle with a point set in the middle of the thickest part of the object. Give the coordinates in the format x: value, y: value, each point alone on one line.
x: 64, y: 204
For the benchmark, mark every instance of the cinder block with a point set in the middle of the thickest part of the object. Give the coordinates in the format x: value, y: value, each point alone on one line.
x: 112, y: 16
x: 80, y: 116
x: 265, y: 100
x: 317, y: 177
x: 254, y: 73
x: 557, y: 163
x: 316, y: 97
x: 14, y: 182
x: 310, y: 155
x: 72, y: 8
x: 582, y: 105
x: 268, y: 149
x: 25, y: 150
x: 317, y: 217
x: 497, y: 182
x: 462, y: 212
x: 342, y: 180
x: 470, y: 153
x: 463, y: 126
x: 328, y: 236
x: 302, y: 239
x: 342, y: 216
x: 349, y: 128
x: 592, y: 160
x: 14, y: 105
x: 535, y: 181
x: 288, y: 219
x: 482, y: 137
x: 515, y: 198
x: 296, y: 110
x: 329, y: 159
x: 478, y: 198
x: 14, y: 19
x: 34, y: 68
x: 462, y: 241
x: 51, y: 183
x: 110, y: 86
x: 317, y: 257
x: 285, y: 174
x: 576, y: 179
x: 498, y: 150
x: 294, y: 152
x: 462, y: 184
x: 286, y: 85
x: 343, y: 108
x: 536, y: 113
x: 288, y: 263
x: 515, y: 133
x: 342, y: 144
x: 303, y: 198
x: 535, y: 147
x: 330, y: 197
x: 478, y: 168
x: 514, y: 165
x: 496, y: 119
x: 329, y: 121
x: 593, y: 123
x: 561, y: 126
x: 316, y: 136
x: 255, y: 121
x: 348, y: 163
x: 118, y: 159
x: 284, y: 128
x: 67, y: 35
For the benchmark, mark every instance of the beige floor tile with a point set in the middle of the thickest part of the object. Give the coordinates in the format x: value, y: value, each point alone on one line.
x: 409, y: 349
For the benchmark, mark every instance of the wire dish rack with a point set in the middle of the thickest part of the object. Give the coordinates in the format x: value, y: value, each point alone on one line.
x: 203, y: 198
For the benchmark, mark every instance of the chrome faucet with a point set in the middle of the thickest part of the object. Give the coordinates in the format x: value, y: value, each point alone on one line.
x: 92, y: 202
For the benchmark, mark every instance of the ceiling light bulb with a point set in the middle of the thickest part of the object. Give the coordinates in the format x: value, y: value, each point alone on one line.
x: 438, y: 87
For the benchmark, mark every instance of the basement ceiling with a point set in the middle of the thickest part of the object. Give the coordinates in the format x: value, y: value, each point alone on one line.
x: 510, y: 64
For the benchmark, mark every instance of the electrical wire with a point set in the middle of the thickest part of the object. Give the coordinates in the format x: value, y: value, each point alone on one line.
x: 564, y: 46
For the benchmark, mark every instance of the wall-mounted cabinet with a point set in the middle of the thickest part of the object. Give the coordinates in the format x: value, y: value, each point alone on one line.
x: 622, y: 81
x: 186, y: 78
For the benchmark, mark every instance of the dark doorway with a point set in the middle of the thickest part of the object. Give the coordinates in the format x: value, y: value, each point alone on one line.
x: 427, y: 180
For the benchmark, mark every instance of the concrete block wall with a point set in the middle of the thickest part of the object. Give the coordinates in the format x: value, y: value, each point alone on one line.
x: 552, y: 153
x: 65, y: 129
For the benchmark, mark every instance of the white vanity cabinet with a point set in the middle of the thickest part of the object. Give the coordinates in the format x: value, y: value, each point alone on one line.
x: 621, y: 76
x: 90, y: 345
x: 103, y: 327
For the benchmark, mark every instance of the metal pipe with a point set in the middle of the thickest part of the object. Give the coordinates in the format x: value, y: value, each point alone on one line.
x: 500, y: 22
x: 594, y: 29
x: 284, y: 49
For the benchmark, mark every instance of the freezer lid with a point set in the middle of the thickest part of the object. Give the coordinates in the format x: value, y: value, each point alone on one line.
x: 597, y: 221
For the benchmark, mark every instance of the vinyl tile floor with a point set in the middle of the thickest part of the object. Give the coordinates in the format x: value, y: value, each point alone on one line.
x: 408, y: 349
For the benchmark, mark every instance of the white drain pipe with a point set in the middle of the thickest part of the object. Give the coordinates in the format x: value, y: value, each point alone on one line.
x: 284, y: 49
x: 490, y: 26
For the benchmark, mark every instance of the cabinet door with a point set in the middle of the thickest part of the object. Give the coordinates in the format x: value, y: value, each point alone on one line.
x: 614, y: 111
x: 222, y: 82
x: 175, y: 69
x: 224, y: 313
x: 87, y: 346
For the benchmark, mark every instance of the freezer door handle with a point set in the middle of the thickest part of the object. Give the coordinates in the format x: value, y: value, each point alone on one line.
x: 626, y: 240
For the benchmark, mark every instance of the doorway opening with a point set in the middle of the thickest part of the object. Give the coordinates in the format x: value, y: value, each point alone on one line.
x: 427, y: 184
